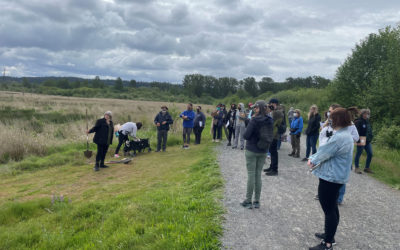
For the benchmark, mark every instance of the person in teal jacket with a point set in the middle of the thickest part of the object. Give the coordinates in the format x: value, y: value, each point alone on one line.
x: 188, y: 122
x: 332, y: 165
x: 296, y: 127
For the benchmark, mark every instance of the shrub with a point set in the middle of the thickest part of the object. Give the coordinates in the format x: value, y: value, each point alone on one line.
x: 389, y: 137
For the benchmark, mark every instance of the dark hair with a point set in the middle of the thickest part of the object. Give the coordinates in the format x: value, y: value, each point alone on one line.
x: 139, y: 125
x: 191, y: 106
x: 262, y: 107
x: 199, y: 107
x: 335, y: 106
x: 354, y: 112
x: 340, y: 118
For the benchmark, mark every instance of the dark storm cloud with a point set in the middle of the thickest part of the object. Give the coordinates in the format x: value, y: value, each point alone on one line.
x: 164, y: 40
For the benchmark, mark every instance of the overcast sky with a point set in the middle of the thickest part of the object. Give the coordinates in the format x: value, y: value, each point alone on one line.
x: 164, y: 40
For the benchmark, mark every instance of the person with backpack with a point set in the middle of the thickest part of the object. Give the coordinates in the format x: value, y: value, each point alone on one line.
x: 259, y: 136
x: 188, y: 123
x: 127, y: 129
x: 312, y: 131
x: 277, y: 116
x: 163, y: 120
x: 103, y: 137
x: 231, y: 122
x: 296, y: 127
x: 199, y: 124
x: 364, y: 129
x: 331, y: 164
x: 240, y: 126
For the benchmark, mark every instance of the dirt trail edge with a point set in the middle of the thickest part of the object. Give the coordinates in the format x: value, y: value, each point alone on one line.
x: 289, y: 216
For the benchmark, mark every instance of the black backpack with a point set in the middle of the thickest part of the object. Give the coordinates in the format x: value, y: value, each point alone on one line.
x: 282, y: 126
x: 265, y: 135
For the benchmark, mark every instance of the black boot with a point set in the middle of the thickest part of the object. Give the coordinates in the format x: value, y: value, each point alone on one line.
x: 102, y: 165
x: 96, y: 167
x: 268, y: 169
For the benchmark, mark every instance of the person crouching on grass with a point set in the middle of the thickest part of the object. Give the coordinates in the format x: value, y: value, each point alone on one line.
x: 259, y: 135
x: 129, y: 128
x: 162, y: 121
x: 334, y: 158
x: 188, y: 122
x: 104, y: 132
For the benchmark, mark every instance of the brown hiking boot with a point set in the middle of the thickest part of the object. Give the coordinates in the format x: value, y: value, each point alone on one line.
x: 367, y: 170
x: 357, y: 170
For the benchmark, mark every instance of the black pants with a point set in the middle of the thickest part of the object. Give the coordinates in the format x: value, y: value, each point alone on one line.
x: 101, y: 154
x: 197, y: 134
x: 231, y: 133
x: 162, y: 136
x: 186, y: 135
x: 328, y: 193
x: 121, y: 139
x: 273, y: 150
x: 217, y: 132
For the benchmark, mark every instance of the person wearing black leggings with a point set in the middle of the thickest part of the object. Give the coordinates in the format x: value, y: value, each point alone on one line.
x: 332, y: 165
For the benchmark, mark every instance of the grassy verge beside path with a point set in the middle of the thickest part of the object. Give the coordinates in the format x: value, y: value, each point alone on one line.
x: 161, y: 201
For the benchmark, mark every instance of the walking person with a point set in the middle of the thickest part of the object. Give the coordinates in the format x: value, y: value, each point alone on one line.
x: 162, y: 120
x: 104, y: 132
x: 188, y: 123
x: 199, y: 124
x: 296, y: 127
x: 364, y: 129
x: 259, y: 136
x: 127, y: 129
x: 334, y: 160
x: 240, y: 126
x: 231, y: 122
x: 218, y: 121
x: 277, y: 116
x: 312, y: 131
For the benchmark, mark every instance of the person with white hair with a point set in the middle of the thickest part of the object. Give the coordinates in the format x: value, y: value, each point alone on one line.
x: 104, y: 132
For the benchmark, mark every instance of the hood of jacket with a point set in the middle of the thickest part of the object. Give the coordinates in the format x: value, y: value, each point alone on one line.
x: 241, y: 105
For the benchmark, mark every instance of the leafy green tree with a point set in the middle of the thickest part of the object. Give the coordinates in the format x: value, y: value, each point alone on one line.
x: 250, y: 86
x: 97, y: 83
x: 26, y: 83
x: 132, y: 83
x: 266, y: 84
x: 118, y: 84
x: 370, y: 77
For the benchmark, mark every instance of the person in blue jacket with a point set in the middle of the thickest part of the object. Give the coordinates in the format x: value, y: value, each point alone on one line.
x: 332, y: 165
x: 295, y: 133
x: 188, y: 122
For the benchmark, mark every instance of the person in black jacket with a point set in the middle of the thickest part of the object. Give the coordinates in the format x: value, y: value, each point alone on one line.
x: 162, y: 121
x: 231, y: 121
x: 218, y: 122
x: 364, y: 129
x: 255, y: 156
x: 104, y: 132
x: 199, y: 124
x: 312, y: 131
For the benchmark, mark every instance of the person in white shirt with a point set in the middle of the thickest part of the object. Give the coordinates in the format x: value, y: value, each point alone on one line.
x: 127, y: 129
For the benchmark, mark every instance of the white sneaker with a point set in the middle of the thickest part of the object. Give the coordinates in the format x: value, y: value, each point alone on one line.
x: 213, y: 140
x: 116, y: 156
x: 217, y: 140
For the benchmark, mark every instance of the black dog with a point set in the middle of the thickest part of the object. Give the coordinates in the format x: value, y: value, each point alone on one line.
x: 136, y: 146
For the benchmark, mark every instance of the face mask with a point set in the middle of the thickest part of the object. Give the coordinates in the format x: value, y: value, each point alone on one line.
x: 367, y: 117
x: 163, y: 111
x: 218, y: 108
x: 198, y: 110
x: 328, y: 114
x: 295, y: 115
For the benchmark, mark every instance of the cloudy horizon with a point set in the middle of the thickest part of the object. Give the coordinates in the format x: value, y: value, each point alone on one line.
x: 165, y: 40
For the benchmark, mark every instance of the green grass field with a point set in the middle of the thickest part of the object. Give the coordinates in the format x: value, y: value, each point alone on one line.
x: 161, y: 201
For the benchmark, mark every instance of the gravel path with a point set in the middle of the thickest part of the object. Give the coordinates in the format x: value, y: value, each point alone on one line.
x: 289, y: 216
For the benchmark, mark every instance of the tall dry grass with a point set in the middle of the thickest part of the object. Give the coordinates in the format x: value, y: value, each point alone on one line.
x: 21, y: 136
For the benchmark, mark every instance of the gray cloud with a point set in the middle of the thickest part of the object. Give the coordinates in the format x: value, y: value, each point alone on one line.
x: 164, y: 40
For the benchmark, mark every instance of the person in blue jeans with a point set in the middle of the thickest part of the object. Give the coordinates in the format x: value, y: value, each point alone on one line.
x: 312, y: 131
x: 364, y: 129
x: 188, y: 123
